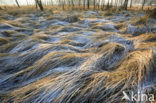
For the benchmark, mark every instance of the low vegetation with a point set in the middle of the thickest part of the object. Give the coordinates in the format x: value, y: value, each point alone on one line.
x: 89, y: 54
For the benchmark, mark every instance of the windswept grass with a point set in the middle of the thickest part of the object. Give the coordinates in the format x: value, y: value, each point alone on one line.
x: 14, y: 11
x: 14, y: 23
x: 3, y: 40
x: 152, y: 13
x: 103, y: 86
x: 143, y: 20
x: 68, y: 58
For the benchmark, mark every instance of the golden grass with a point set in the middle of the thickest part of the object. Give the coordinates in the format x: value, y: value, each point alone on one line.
x: 54, y: 27
x: 144, y: 19
x: 151, y: 13
x: 122, y: 67
x: 15, y: 11
x: 131, y: 71
x: 119, y: 25
x: 33, y: 88
x: 4, y: 54
x: 65, y: 41
x: 3, y: 40
x: 141, y: 20
x: 14, y: 23
x: 7, y: 47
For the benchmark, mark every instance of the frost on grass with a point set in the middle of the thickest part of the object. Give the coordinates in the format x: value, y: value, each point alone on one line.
x: 88, y: 58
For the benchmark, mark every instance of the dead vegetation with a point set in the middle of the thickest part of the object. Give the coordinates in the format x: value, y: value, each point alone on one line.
x: 75, y: 58
x: 14, y: 11
x: 151, y: 13
x: 143, y: 20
